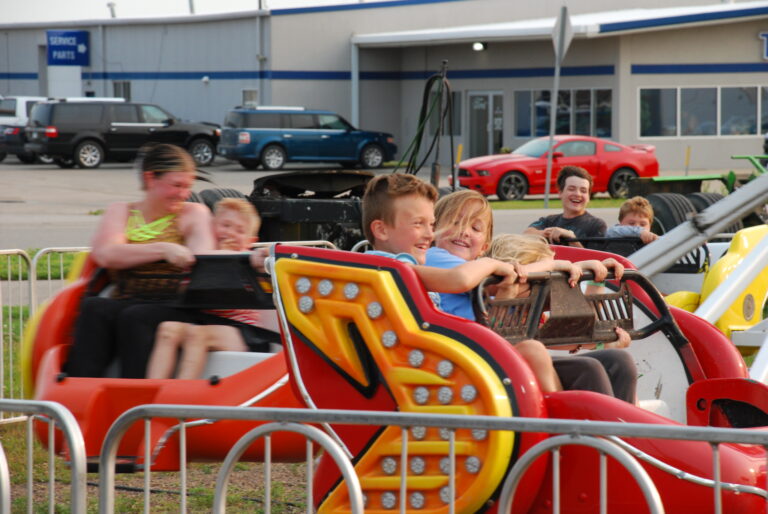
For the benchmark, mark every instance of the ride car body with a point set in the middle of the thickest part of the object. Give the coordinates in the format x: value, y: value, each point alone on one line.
x: 512, y: 176
x: 87, y: 133
x: 273, y: 136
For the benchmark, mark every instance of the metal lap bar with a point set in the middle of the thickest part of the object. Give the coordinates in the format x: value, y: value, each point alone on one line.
x: 574, y: 316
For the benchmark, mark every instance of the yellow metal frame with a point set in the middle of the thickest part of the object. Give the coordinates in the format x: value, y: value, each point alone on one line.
x: 326, y: 327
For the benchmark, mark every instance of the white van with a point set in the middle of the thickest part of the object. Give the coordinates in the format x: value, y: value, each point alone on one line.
x: 14, y: 110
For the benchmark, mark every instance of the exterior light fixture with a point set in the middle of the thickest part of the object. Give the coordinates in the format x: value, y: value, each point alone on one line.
x: 478, y: 46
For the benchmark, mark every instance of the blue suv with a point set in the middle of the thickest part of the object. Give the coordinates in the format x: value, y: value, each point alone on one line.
x: 272, y: 136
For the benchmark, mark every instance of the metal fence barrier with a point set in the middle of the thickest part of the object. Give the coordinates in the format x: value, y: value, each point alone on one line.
x: 54, y: 272
x: 22, y: 289
x: 57, y: 417
x: 600, y: 435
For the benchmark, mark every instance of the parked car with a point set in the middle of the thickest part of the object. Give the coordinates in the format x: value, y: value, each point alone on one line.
x: 12, y: 125
x: 272, y: 136
x: 514, y: 175
x: 86, y: 133
x: 14, y: 113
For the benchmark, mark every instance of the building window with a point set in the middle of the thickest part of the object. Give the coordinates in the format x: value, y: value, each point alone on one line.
x: 658, y: 112
x: 250, y: 97
x: 523, y: 113
x: 586, y: 112
x: 603, y: 112
x: 455, y: 114
x: 698, y: 111
x: 738, y: 111
x: 122, y: 89
x: 764, y: 109
x: 702, y: 111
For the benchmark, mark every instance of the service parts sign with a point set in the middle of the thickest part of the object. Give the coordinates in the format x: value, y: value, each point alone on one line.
x: 68, y: 48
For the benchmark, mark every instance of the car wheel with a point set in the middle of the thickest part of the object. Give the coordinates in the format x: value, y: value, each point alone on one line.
x: 372, y: 156
x: 89, y: 154
x: 26, y: 158
x: 2, y: 156
x: 202, y: 152
x: 512, y: 186
x: 618, y: 186
x: 273, y: 157
x: 249, y: 164
x: 210, y: 196
x: 64, y: 162
x: 669, y: 211
x: 45, y: 159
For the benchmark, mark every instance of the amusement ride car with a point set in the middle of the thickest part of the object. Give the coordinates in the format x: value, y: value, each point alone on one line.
x: 360, y: 333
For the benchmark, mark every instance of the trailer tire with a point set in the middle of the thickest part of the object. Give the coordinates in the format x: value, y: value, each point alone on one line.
x: 669, y: 211
x: 703, y: 200
x: 211, y: 196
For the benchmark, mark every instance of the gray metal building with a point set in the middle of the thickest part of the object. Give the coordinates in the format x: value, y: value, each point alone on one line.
x: 686, y: 76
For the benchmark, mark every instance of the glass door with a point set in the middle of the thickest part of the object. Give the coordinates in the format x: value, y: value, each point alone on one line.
x: 486, y: 123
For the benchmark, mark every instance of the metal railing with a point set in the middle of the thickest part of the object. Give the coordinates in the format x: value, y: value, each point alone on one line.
x: 16, y: 291
x: 599, y: 435
x: 57, y: 417
x: 55, y: 271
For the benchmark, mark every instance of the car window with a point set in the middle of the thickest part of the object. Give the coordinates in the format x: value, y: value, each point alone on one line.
x: 153, y: 114
x: 8, y: 107
x: 30, y: 104
x: 577, y: 148
x: 125, y: 114
x: 303, y: 121
x: 331, y: 122
x: 40, y: 115
x: 82, y: 114
x: 612, y: 148
x: 263, y: 120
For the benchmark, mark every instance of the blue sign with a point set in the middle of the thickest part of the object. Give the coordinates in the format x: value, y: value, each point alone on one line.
x: 68, y: 48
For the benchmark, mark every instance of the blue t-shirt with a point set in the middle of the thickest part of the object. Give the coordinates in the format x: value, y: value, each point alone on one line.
x: 620, y: 230
x: 410, y: 259
x: 458, y: 304
x: 403, y: 257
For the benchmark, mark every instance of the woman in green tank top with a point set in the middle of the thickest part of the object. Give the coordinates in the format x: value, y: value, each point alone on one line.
x: 160, y: 233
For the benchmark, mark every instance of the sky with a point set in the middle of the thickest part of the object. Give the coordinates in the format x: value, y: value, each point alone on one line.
x: 15, y: 11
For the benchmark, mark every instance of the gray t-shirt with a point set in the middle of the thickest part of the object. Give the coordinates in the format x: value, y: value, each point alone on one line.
x: 585, y: 225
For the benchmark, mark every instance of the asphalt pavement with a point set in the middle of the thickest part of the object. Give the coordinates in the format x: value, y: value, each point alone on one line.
x: 44, y: 206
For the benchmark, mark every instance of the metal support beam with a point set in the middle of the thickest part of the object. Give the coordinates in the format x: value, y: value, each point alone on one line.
x: 355, y: 85
x: 665, y: 251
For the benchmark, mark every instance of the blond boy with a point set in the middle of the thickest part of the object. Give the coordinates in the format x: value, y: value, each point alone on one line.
x: 235, y: 225
x: 635, y: 220
x: 398, y: 221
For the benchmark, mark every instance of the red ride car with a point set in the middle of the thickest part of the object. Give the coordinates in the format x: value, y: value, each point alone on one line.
x: 512, y: 176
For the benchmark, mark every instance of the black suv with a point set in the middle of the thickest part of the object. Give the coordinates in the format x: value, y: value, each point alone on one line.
x: 87, y: 133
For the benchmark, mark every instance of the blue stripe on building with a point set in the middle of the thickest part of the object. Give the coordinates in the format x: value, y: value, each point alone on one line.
x: 735, y: 67
x: 355, y: 7
x: 571, y: 71
x: 683, y: 19
x: 18, y: 76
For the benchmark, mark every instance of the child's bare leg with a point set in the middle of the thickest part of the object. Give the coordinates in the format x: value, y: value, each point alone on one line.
x: 206, y: 338
x: 538, y: 358
x: 168, y: 339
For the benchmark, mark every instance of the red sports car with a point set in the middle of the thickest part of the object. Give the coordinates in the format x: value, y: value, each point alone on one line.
x: 512, y: 176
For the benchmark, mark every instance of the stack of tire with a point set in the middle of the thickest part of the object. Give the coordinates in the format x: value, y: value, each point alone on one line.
x: 672, y: 209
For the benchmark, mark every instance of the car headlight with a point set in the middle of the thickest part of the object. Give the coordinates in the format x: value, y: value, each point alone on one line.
x: 483, y: 173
